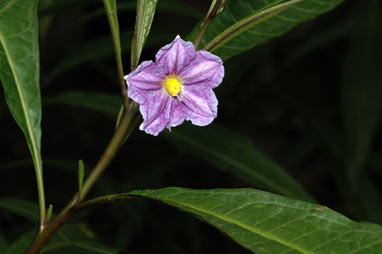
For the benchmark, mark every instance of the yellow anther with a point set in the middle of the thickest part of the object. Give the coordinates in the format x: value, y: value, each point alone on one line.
x: 173, y: 86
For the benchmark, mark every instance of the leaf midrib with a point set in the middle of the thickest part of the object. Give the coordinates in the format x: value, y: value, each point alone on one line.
x: 238, y: 223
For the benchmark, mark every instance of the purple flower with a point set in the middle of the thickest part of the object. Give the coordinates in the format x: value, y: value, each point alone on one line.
x: 176, y: 87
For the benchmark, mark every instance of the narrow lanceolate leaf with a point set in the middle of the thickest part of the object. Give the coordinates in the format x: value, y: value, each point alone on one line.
x: 21, y: 244
x: 362, y: 94
x: 245, y: 23
x: 237, y: 154
x: 81, y: 174
x: 19, y: 74
x: 111, y: 12
x: 108, y: 104
x: 3, y: 243
x: 22, y: 208
x: 144, y: 19
x: 266, y: 223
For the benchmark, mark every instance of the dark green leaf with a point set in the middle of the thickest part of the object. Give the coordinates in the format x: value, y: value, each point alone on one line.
x: 245, y: 23
x: 232, y: 152
x: 111, y: 12
x: 22, y: 208
x: 362, y: 95
x: 19, y: 71
x: 266, y: 223
x: 108, y: 104
x: 81, y: 174
x: 3, y: 243
x: 20, y: 245
x: 144, y: 19
x: 69, y: 239
x: 72, y: 239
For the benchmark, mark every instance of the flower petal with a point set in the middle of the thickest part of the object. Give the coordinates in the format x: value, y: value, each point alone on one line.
x: 205, y: 69
x: 146, y: 77
x: 176, y: 113
x: 200, y: 105
x: 173, y: 57
x: 155, y: 112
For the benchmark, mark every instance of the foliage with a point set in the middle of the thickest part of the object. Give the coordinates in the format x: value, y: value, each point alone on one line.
x: 298, y: 124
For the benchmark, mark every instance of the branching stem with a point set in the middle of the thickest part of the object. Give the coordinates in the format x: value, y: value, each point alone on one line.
x: 41, y: 238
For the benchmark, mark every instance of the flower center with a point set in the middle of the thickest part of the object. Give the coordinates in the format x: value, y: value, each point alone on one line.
x: 173, y: 86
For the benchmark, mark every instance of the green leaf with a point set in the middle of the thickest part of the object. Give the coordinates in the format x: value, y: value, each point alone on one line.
x: 81, y: 174
x: 235, y: 153
x: 144, y: 19
x: 21, y: 244
x: 108, y: 104
x: 22, y: 208
x: 244, y: 24
x: 111, y: 11
x: 3, y: 243
x: 362, y: 95
x: 69, y: 239
x: 72, y: 239
x: 266, y: 223
x: 19, y: 73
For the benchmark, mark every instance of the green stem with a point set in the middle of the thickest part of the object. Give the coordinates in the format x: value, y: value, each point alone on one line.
x: 43, y: 236
x: 111, y: 150
x: 41, y: 199
x: 206, y: 22
x: 102, y: 200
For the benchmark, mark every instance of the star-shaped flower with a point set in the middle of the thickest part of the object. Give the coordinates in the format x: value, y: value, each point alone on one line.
x: 176, y: 87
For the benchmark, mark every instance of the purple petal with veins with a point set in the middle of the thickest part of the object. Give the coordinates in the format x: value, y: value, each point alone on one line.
x: 205, y: 69
x: 175, y: 56
x: 177, y: 87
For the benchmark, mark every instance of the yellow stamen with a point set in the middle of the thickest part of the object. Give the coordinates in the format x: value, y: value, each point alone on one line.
x: 173, y: 86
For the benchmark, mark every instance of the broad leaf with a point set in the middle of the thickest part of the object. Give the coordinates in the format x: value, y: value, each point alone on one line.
x: 235, y: 153
x: 19, y: 73
x: 266, y: 223
x: 245, y: 23
x: 144, y: 19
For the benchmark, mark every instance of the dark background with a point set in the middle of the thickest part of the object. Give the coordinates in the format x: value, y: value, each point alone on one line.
x: 285, y: 95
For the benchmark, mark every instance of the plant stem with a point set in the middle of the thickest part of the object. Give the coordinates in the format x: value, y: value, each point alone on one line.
x: 102, y: 200
x: 206, y: 22
x: 43, y: 236
x: 41, y: 199
x: 111, y: 150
